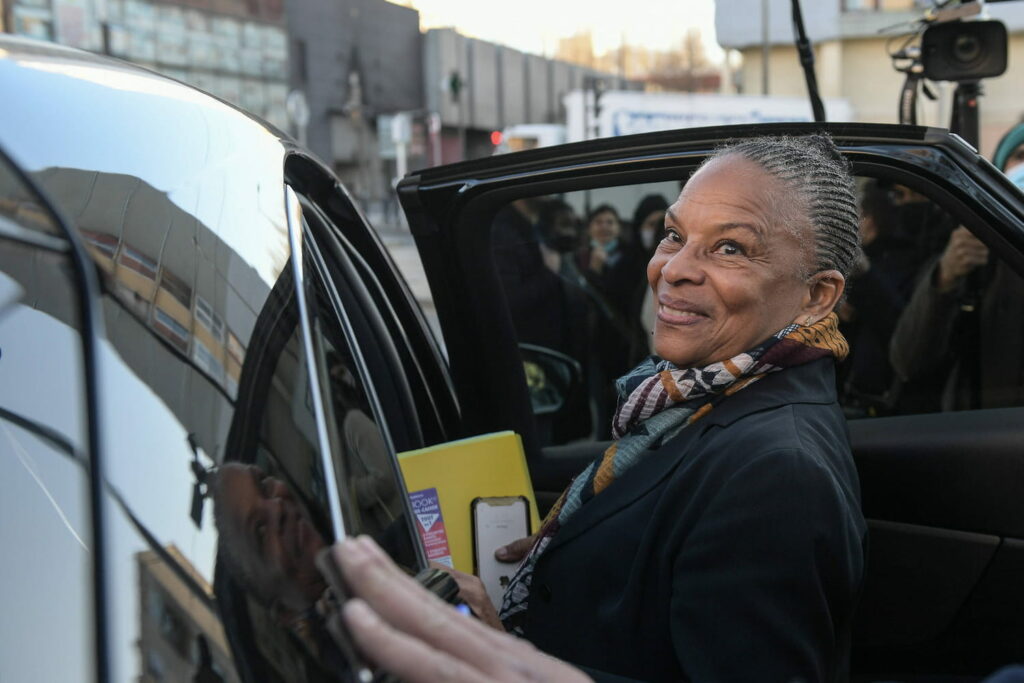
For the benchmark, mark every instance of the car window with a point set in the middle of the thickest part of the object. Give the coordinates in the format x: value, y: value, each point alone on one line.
x: 422, y: 406
x: 573, y: 270
x: 270, y: 503
x: 934, y: 317
x: 272, y: 498
x: 363, y: 458
x: 44, y: 493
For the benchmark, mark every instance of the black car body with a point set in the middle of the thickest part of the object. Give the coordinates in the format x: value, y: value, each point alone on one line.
x: 149, y: 332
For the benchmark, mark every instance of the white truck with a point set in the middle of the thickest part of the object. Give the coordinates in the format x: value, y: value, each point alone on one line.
x: 623, y: 112
x: 628, y: 112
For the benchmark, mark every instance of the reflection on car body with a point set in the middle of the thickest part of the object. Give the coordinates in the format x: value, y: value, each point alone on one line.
x: 188, y: 236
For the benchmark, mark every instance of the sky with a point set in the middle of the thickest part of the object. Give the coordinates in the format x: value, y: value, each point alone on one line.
x: 536, y: 25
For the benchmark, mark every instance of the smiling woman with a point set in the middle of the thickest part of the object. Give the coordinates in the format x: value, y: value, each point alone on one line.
x: 721, y: 533
x: 732, y: 267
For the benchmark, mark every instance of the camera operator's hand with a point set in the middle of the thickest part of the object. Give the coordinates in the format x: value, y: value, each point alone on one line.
x: 414, y: 635
x: 963, y: 253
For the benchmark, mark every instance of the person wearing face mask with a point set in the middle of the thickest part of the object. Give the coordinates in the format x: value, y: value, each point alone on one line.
x: 612, y: 268
x: 649, y: 223
x: 965, y: 318
x: 880, y: 285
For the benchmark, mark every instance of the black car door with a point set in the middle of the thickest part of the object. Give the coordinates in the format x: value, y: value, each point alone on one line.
x: 506, y: 257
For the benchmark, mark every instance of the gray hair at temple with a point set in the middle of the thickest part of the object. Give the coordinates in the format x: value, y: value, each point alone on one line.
x: 819, y: 178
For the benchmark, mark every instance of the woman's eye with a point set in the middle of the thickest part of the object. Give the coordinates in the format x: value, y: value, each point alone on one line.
x: 671, y: 236
x: 729, y: 249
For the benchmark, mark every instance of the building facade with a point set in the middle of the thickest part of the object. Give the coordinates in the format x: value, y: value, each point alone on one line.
x: 476, y: 87
x: 851, y: 46
x: 355, y: 62
x: 234, y: 49
x: 355, y: 81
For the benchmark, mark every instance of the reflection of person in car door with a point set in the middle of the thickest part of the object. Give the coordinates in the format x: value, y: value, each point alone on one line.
x: 267, y: 539
x: 965, y: 319
x: 720, y: 537
x: 268, y: 545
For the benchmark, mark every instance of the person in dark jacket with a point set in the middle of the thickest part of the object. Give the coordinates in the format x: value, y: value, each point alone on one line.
x: 720, y: 536
x: 965, y: 318
x: 612, y: 269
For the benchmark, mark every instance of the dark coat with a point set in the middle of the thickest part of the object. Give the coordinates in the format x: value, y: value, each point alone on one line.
x: 933, y: 340
x: 733, y: 554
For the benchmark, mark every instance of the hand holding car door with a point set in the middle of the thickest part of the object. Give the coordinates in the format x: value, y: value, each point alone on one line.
x: 419, y: 638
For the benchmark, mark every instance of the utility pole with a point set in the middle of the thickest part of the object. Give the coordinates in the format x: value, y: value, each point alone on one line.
x: 766, y: 45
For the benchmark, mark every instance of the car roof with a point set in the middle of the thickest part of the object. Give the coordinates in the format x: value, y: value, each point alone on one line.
x: 22, y: 51
x: 99, y: 133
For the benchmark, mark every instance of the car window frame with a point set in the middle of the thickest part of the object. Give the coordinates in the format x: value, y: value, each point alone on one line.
x: 425, y: 364
x: 373, y: 354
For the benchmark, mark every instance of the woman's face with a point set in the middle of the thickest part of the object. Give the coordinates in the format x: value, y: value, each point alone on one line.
x: 604, y: 227
x: 726, y: 275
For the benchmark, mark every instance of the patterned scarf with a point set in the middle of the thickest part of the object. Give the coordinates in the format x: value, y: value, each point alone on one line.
x: 657, y: 400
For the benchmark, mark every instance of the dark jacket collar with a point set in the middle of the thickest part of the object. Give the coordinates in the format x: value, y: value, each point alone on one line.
x: 812, y: 383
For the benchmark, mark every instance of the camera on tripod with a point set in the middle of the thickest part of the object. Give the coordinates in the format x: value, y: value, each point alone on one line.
x: 953, y: 50
x: 964, y: 51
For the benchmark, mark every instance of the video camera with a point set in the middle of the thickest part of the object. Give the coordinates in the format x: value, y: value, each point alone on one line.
x: 964, y: 51
x: 950, y: 49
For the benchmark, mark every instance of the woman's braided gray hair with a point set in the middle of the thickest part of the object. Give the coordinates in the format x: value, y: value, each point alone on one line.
x: 819, y: 177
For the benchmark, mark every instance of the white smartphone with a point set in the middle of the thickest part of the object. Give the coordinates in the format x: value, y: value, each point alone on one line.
x: 496, y: 522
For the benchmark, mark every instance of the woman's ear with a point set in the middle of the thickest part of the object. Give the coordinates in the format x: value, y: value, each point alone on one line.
x: 824, y: 290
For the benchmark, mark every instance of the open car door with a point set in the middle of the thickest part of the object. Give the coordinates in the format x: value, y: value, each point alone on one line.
x: 534, y: 341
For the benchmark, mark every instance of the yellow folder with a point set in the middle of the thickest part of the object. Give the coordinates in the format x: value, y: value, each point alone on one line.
x: 459, y: 471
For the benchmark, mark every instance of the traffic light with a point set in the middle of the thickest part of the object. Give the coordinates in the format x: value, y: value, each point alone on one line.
x: 496, y: 137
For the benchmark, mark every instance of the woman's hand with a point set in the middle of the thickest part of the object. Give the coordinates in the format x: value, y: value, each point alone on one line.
x: 473, y: 593
x: 414, y: 635
x: 516, y: 550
